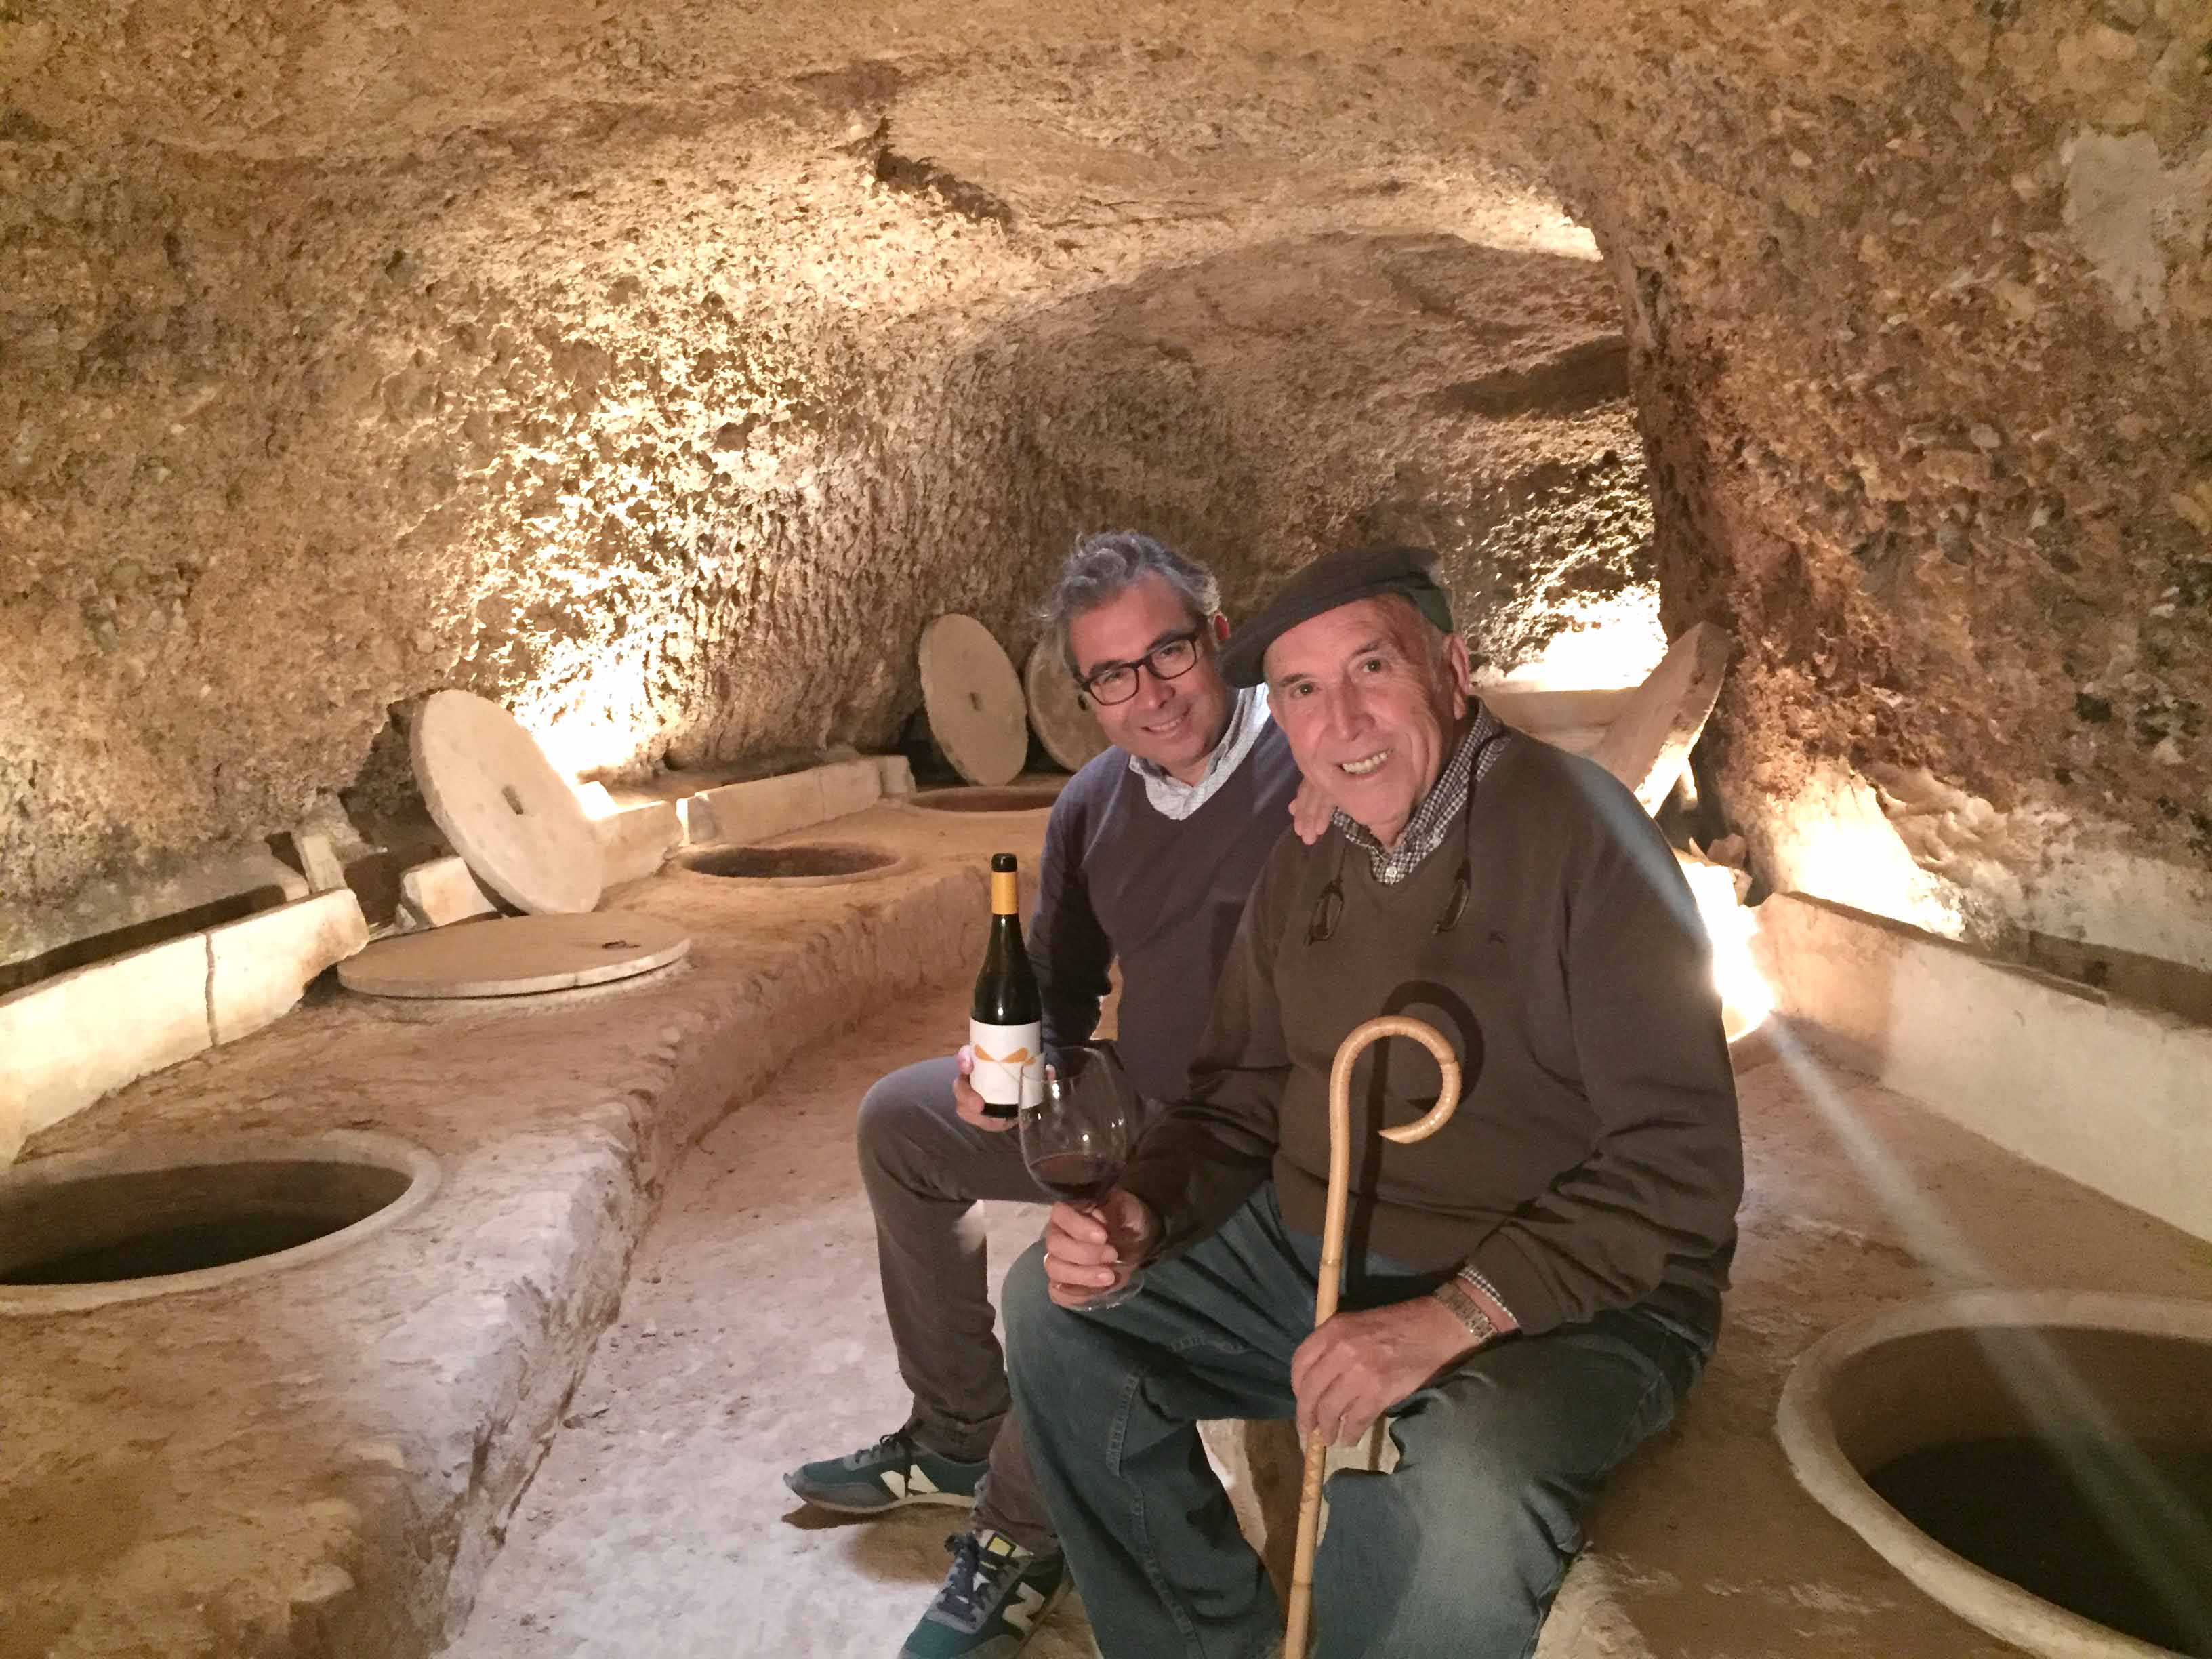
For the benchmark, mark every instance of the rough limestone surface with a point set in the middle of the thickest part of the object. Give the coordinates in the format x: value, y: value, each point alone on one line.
x: 321, y: 1461
x: 659, y: 370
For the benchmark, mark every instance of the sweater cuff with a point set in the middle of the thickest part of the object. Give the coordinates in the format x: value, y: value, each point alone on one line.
x: 1157, y: 1191
x: 1477, y: 1283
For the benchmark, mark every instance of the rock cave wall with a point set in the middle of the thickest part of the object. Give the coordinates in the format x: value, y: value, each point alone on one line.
x: 659, y: 370
x: 1922, y: 305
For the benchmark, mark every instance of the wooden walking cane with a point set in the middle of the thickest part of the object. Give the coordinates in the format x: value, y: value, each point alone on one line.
x: 1332, y: 1260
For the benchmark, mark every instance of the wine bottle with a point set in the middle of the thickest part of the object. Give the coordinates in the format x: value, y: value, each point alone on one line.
x: 1006, y: 1023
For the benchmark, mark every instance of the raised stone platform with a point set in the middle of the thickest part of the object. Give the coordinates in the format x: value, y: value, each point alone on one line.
x: 320, y: 1461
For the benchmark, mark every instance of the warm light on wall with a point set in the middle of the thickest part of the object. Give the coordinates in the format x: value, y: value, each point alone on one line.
x: 1609, y: 644
x: 1833, y: 841
x: 595, y: 718
x: 1746, y: 999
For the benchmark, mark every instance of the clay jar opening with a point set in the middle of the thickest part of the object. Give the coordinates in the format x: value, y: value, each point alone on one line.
x: 79, y: 1232
x: 811, y: 863
x: 1018, y: 797
x: 2050, y: 1480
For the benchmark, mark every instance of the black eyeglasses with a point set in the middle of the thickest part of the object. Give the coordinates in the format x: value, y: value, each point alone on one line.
x: 1169, y: 659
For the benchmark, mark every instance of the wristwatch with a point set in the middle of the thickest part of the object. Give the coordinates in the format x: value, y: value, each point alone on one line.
x: 1466, y: 1311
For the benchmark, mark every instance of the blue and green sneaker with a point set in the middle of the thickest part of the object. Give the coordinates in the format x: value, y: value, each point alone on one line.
x: 994, y: 1599
x: 888, y: 1475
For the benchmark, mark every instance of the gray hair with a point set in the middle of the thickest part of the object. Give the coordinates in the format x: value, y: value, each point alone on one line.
x: 1104, y: 566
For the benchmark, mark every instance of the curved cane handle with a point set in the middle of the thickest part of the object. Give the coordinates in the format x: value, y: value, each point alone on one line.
x: 1390, y: 1025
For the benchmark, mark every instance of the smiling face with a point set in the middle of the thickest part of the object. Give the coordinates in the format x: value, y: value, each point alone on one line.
x: 1371, y: 706
x: 1175, y: 724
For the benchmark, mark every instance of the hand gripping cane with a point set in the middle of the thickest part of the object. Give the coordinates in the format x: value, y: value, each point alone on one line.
x: 1332, y: 1260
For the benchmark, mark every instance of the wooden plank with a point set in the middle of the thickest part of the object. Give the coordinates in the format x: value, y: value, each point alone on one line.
x: 1648, y: 741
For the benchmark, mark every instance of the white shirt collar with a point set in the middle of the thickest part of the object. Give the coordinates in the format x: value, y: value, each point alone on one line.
x: 1174, y: 799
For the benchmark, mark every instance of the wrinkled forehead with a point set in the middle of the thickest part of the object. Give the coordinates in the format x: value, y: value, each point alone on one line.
x: 1322, y: 644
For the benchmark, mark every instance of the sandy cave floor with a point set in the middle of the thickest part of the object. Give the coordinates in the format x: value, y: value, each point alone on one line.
x: 750, y: 1338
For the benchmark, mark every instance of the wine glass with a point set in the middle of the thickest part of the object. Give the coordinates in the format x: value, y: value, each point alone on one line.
x: 1076, y: 1139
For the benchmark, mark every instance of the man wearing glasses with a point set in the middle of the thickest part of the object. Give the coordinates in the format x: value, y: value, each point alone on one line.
x: 1151, y: 851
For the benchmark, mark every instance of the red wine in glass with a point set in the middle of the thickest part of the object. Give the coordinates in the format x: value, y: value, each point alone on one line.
x: 1081, y: 1178
x: 1076, y: 1140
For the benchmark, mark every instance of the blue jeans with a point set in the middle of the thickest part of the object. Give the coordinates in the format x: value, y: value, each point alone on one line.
x: 1457, y: 1552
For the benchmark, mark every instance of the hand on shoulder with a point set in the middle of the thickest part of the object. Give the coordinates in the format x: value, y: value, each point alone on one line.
x: 1310, y: 811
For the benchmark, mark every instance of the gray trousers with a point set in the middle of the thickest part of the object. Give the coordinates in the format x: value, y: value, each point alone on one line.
x: 925, y: 1170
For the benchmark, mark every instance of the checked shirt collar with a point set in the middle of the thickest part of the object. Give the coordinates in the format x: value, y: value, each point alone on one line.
x: 1426, y: 831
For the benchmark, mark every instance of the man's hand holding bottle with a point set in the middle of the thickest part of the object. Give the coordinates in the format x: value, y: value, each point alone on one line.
x: 970, y: 1104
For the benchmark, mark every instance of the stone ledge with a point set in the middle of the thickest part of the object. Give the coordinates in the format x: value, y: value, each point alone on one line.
x: 636, y: 838
x: 70, y: 1040
x: 321, y: 1463
x: 441, y: 891
x: 257, y: 967
x: 2112, y: 1094
x: 764, y: 807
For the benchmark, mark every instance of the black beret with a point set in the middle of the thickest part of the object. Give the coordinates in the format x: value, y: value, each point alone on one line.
x: 1355, y: 572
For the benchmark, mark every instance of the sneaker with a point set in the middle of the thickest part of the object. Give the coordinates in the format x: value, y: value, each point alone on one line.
x: 888, y: 1475
x: 994, y: 1599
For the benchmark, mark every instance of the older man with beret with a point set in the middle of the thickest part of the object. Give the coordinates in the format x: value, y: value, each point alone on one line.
x: 1531, y: 1292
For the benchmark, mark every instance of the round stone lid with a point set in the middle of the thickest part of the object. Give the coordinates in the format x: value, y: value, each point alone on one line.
x: 514, y: 956
x: 977, y: 713
x: 508, y: 813
x: 1060, y: 713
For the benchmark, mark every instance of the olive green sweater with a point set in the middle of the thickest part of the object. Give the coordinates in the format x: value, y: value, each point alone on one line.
x: 1595, y: 1160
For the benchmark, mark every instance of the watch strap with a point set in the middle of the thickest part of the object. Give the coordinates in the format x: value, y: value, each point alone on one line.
x: 1466, y: 1311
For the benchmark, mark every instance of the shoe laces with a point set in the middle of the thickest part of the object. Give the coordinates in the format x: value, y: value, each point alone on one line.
x: 974, y: 1576
x: 894, y: 1444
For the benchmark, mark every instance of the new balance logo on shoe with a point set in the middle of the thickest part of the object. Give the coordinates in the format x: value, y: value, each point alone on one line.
x: 1022, y: 1610
x: 912, y: 1482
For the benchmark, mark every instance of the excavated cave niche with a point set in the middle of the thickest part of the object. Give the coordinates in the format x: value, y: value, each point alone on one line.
x: 1253, y: 405
x: 442, y: 381
x: 670, y: 430
x: 1254, y: 399
x: 1879, y: 339
x: 662, y: 385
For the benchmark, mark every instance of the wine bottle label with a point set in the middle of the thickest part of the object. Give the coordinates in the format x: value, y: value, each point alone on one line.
x: 1009, y: 1063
